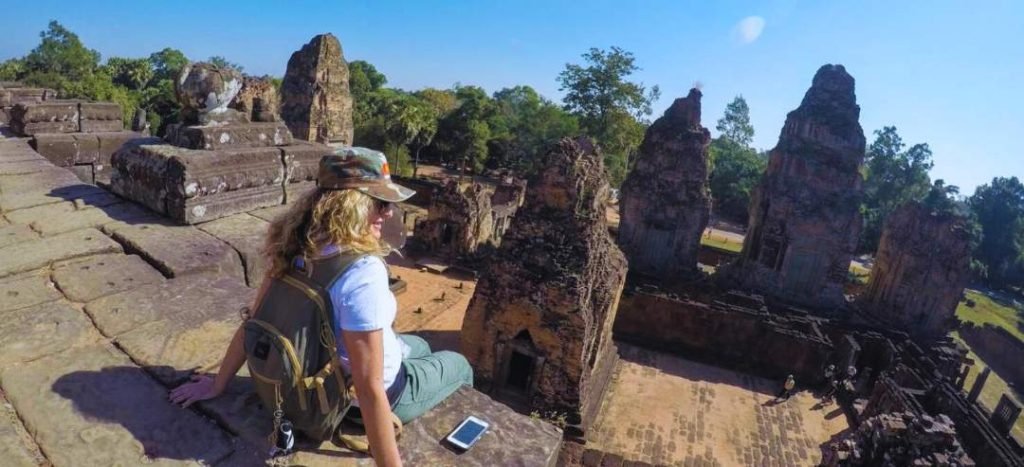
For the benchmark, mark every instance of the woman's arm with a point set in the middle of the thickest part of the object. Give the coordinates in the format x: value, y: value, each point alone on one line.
x: 366, y: 355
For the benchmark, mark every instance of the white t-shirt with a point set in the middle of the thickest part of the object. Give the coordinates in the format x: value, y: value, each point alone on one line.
x: 363, y: 302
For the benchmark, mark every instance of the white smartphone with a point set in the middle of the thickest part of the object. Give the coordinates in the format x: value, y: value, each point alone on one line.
x: 468, y: 432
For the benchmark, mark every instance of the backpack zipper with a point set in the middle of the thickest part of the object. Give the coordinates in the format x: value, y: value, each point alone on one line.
x: 290, y: 351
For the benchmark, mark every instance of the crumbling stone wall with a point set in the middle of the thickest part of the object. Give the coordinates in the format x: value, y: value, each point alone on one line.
x: 804, y: 218
x: 899, y: 439
x: 999, y: 349
x: 731, y: 335
x: 459, y: 221
x: 920, y: 270
x: 258, y: 100
x: 315, y: 99
x: 665, y: 200
x: 538, y: 328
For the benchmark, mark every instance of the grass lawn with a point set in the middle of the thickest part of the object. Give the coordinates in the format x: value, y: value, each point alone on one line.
x: 995, y: 312
x: 721, y: 242
x: 994, y: 388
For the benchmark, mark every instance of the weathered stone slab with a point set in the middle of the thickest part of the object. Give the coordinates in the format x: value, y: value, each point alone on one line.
x: 177, y: 250
x: 12, y: 234
x: 235, y: 135
x: 28, y: 215
x: 16, y: 446
x: 111, y: 142
x: 25, y: 291
x: 189, y: 300
x: 48, y: 328
x: 17, y: 150
x: 97, y: 276
x: 246, y: 234
x: 189, y: 337
x: 294, y: 191
x: 93, y: 217
x: 84, y: 173
x: 45, y: 187
x: 35, y: 254
x: 193, y: 186
x: 92, y: 406
x: 302, y: 160
x: 271, y: 213
x: 100, y: 116
x: 18, y: 95
x: 59, y: 148
x: 45, y: 117
x: 24, y: 167
x: 88, y: 148
x: 240, y: 410
x: 512, y: 439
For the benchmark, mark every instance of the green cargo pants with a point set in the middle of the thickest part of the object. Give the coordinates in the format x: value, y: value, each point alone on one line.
x: 430, y: 378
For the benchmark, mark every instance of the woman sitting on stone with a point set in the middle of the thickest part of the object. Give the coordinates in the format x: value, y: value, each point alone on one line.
x: 346, y: 214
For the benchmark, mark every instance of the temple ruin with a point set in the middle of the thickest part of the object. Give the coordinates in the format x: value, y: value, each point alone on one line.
x: 920, y: 271
x: 463, y: 222
x: 804, y: 218
x: 258, y: 100
x: 315, y: 100
x: 665, y: 202
x: 217, y: 163
x: 538, y: 329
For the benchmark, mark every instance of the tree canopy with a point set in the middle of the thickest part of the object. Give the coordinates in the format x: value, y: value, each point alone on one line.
x: 893, y: 175
x: 736, y: 168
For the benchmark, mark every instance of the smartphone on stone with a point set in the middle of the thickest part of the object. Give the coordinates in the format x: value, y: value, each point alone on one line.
x: 467, y: 433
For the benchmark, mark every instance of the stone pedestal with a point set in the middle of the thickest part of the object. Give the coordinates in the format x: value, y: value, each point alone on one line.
x: 234, y: 135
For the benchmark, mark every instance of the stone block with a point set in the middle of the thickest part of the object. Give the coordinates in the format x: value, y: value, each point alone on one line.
x: 47, y: 187
x: 88, y: 148
x: 246, y: 234
x: 93, y: 406
x: 14, y: 234
x: 189, y: 301
x: 83, y: 172
x: 17, y: 150
x: 93, y: 217
x: 271, y: 213
x: 100, y: 116
x: 41, y: 330
x: 193, y: 186
x: 177, y: 250
x: 302, y: 160
x: 16, y: 446
x: 24, y: 167
x: 28, y: 215
x: 111, y: 142
x: 25, y: 291
x: 175, y: 347
x: 35, y: 254
x: 97, y: 276
x: 294, y: 191
x: 235, y: 135
x: 29, y: 119
x: 59, y: 148
x: 10, y: 96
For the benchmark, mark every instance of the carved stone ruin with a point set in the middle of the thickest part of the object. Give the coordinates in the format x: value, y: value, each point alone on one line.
x: 315, y: 99
x: 459, y: 221
x: 12, y: 93
x: 217, y: 166
x: 258, y: 100
x: 1005, y: 414
x: 899, y: 439
x: 804, y: 218
x: 665, y: 200
x: 920, y: 271
x: 538, y: 328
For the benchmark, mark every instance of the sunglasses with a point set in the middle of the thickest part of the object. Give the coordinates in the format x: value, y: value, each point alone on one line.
x: 383, y: 206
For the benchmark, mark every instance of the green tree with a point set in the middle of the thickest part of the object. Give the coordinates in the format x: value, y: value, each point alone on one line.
x: 893, y: 176
x: 735, y: 167
x: 12, y: 69
x: 167, y: 63
x: 609, y: 107
x: 735, y: 124
x: 132, y: 73
x: 61, y: 53
x: 999, y: 209
x: 463, y: 133
x: 225, y: 63
x: 363, y: 78
x: 523, y: 126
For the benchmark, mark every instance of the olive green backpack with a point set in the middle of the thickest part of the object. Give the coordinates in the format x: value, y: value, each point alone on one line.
x: 292, y: 355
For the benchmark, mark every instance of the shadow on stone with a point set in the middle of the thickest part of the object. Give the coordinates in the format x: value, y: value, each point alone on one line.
x: 125, y: 395
x: 692, y: 371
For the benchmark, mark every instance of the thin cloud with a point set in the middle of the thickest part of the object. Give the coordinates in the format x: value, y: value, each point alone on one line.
x: 748, y: 30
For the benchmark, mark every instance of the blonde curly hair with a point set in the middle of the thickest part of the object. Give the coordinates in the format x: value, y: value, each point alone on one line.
x: 320, y: 218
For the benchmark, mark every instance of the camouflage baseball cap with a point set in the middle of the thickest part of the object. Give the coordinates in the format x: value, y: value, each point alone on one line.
x: 360, y: 169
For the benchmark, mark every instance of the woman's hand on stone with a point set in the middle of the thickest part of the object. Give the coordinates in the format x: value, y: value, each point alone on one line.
x: 201, y: 388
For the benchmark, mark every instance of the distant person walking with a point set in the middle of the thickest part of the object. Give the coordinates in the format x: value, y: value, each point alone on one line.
x: 787, y: 388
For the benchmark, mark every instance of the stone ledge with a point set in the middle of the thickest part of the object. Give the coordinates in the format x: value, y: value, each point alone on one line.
x: 177, y: 250
x: 35, y: 254
x: 235, y: 135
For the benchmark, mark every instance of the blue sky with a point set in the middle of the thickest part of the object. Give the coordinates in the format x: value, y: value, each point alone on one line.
x: 945, y: 72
